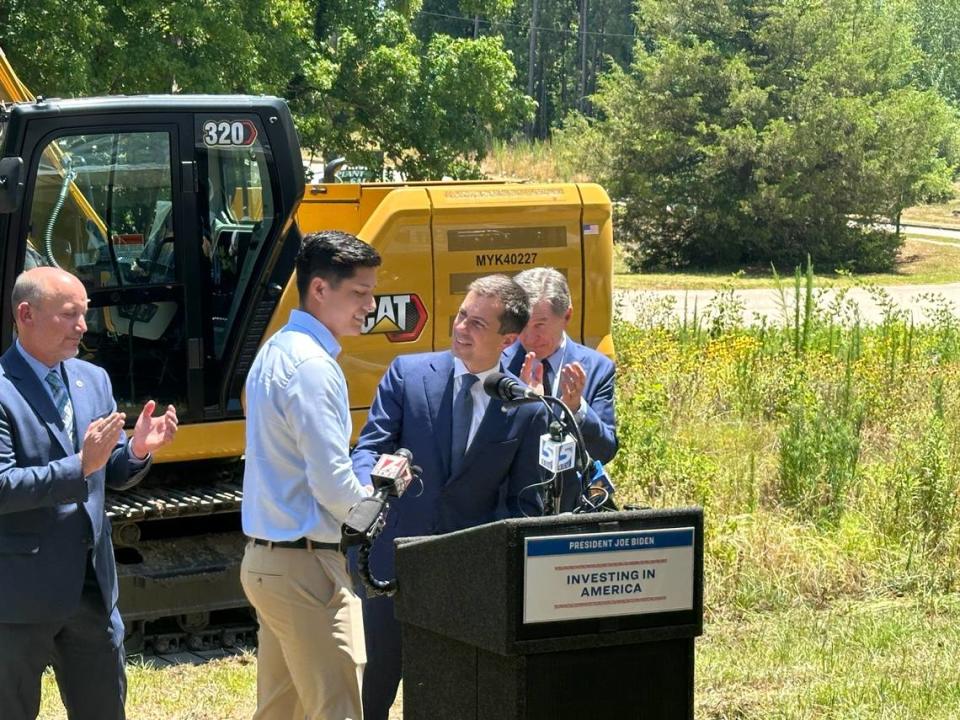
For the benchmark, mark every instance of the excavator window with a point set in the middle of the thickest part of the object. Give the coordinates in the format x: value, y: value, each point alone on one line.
x: 237, y: 215
x: 102, y: 209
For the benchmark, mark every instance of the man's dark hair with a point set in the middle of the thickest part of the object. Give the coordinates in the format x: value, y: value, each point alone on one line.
x: 516, y: 303
x: 334, y: 256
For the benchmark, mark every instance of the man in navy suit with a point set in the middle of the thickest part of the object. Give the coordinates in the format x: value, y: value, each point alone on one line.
x: 547, y: 359
x: 61, y: 445
x: 469, y: 446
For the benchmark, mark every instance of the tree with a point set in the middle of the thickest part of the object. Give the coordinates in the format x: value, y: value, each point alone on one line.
x: 756, y: 131
x: 558, y: 48
x: 937, y: 23
x: 87, y: 47
x: 423, y: 108
x: 557, y: 60
x: 358, y: 79
x: 48, y: 42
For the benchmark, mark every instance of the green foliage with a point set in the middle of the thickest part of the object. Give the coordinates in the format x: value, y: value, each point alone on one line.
x: 825, y: 453
x: 466, y: 91
x: 755, y: 131
x: 99, y: 47
x: 359, y: 80
x: 557, y: 59
x: 491, y: 9
x: 581, y: 144
x: 425, y: 109
x: 819, y: 450
x: 936, y: 24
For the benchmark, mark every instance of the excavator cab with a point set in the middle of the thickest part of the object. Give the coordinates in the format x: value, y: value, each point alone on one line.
x: 177, y: 215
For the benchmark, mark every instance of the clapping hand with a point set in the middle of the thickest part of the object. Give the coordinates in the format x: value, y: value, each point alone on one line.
x: 99, y: 440
x: 532, y: 376
x: 152, y: 433
x: 573, y: 378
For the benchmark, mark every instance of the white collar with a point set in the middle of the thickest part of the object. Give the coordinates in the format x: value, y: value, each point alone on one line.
x: 459, y: 370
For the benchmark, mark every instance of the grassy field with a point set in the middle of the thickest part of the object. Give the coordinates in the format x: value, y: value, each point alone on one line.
x: 826, y: 457
x: 892, y: 658
x: 531, y: 161
x: 947, y: 213
x: 218, y: 690
x: 920, y: 263
x: 868, y: 659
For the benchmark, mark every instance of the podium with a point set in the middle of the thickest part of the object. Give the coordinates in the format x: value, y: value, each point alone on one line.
x: 562, y: 617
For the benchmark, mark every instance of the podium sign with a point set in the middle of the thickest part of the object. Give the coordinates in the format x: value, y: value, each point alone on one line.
x: 595, y: 575
x: 563, y: 617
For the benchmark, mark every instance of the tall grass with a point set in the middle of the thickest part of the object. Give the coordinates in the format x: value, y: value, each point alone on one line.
x: 533, y: 160
x: 825, y: 453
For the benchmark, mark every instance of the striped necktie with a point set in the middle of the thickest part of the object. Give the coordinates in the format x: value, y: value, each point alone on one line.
x: 61, y: 398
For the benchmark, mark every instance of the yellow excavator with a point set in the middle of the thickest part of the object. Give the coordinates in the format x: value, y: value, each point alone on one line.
x: 182, y: 215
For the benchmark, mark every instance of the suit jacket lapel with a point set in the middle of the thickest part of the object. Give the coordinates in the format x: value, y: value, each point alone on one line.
x: 513, y: 358
x: 27, y: 382
x: 84, y: 405
x: 438, y: 387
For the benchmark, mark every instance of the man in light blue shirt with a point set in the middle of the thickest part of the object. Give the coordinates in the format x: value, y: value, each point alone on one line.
x: 298, y: 487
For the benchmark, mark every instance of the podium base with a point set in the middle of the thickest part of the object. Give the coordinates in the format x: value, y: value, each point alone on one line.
x: 445, y: 678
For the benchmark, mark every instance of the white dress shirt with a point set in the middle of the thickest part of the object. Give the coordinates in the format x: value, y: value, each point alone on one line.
x: 480, y: 399
x: 298, y: 480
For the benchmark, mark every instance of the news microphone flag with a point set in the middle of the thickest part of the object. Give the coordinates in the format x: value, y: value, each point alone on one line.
x: 392, y: 471
x: 557, y: 455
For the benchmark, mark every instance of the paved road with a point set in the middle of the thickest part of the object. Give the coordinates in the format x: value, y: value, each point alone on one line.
x: 929, y: 231
x: 767, y: 302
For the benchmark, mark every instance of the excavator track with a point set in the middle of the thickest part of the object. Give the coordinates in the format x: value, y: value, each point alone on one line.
x: 159, y: 503
x: 178, y: 547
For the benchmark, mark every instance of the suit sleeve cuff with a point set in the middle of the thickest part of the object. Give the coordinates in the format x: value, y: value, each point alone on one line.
x: 134, y: 458
x: 581, y: 414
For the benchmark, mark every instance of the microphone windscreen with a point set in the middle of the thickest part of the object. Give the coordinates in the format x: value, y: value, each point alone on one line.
x: 492, y: 384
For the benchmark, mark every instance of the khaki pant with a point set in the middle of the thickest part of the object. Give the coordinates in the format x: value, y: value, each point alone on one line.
x: 311, y: 648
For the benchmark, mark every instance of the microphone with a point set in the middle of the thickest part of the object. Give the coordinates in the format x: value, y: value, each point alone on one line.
x: 503, y: 387
x: 558, y: 450
x: 391, y: 475
x: 392, y: 472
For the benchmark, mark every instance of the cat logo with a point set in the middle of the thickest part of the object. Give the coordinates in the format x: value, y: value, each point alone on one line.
x: 400, y: 317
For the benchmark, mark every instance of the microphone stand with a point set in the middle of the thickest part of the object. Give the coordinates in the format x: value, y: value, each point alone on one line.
x: 566, y: 422
x: 374, y: 586
x: 551, y: 500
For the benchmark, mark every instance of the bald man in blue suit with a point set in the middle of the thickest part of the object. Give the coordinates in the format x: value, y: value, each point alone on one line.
x: 470, y: 447
x: 61, y: 445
